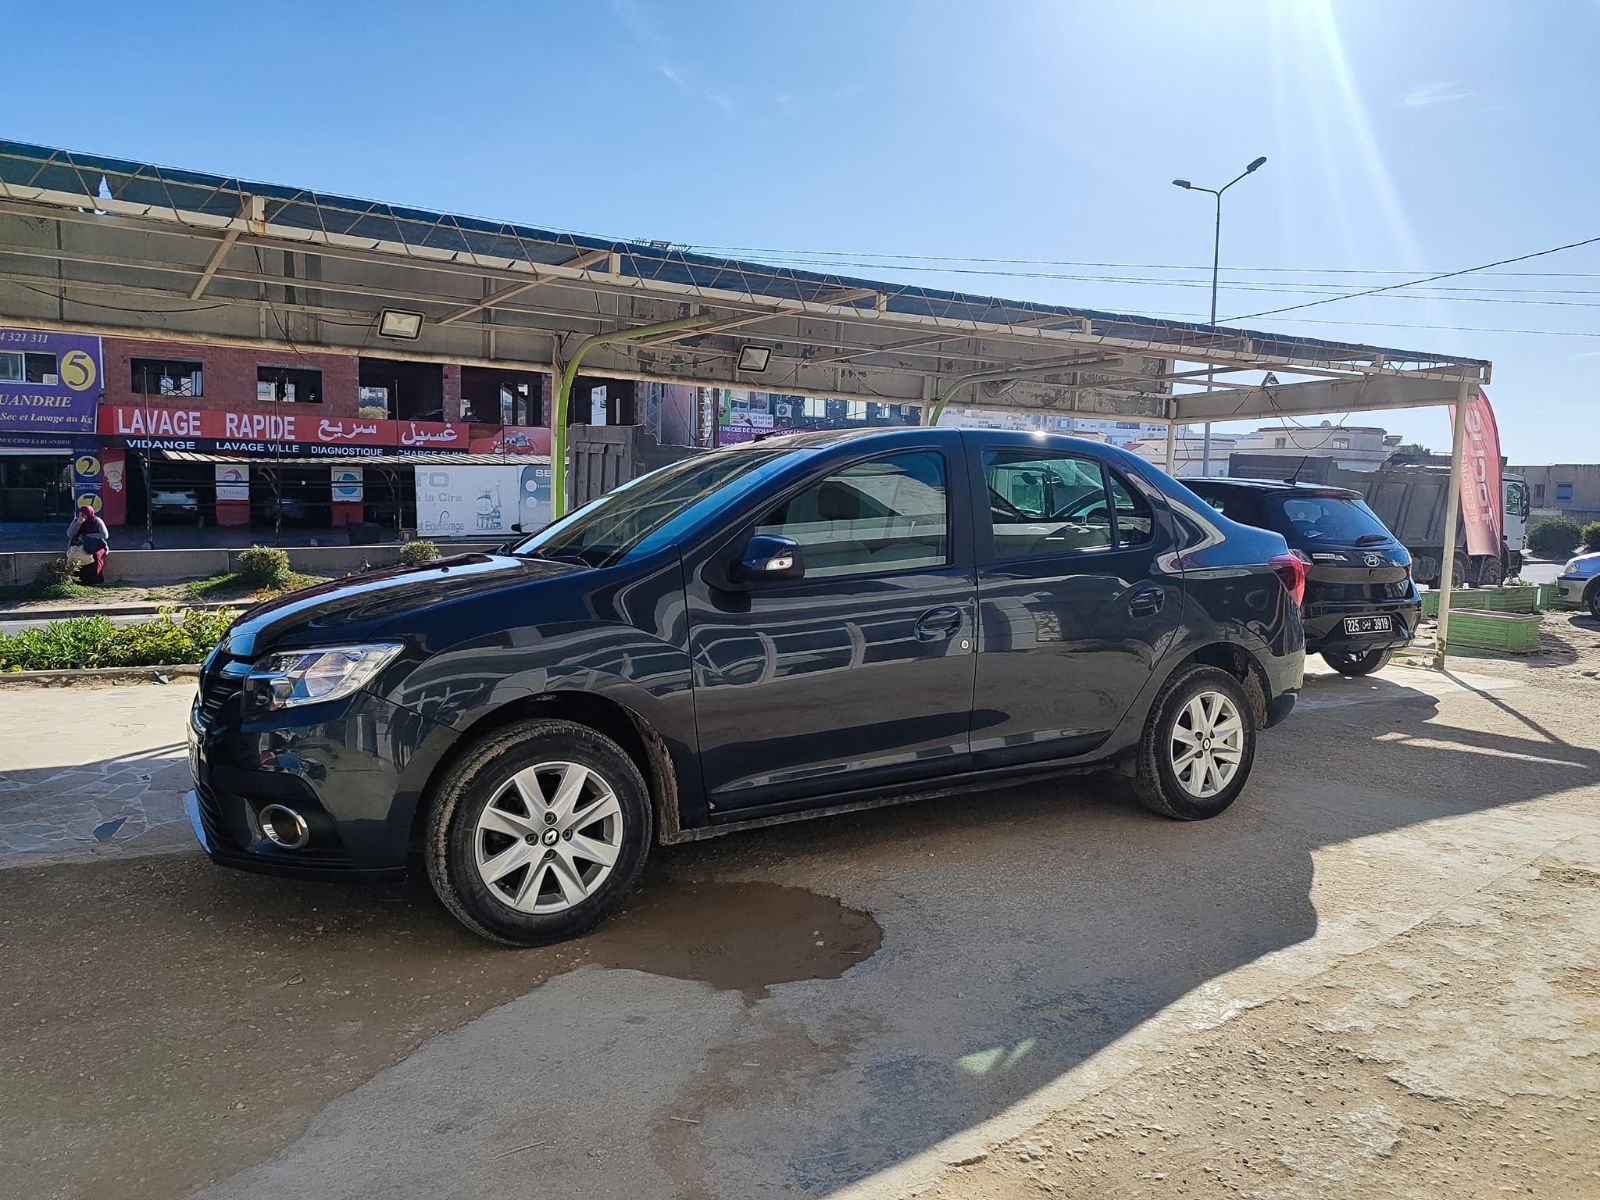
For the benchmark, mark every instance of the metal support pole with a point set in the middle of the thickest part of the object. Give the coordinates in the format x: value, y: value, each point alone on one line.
x: 1172, y: 448
x: 558, y: 417
x: 1216, y: 262
x: 1452, y: 517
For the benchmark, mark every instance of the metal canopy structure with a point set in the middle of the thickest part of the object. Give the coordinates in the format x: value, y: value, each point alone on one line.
x: 105, y: 245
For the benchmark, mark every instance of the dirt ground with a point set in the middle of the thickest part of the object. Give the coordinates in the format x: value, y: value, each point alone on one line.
x: 1377, y: 976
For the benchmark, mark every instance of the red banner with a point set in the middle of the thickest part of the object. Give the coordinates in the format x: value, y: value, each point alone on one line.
x: 1481, y: 487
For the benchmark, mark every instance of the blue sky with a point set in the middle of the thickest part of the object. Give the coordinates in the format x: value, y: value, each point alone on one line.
x: 1413, y: 136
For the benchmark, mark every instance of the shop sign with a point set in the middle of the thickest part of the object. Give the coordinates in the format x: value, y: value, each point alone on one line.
x: 233, y: 482
x: 347, y: 485
x: 88, y: 477
x: 49, y: 382
x: 481, y: 501
x: 297, y: 434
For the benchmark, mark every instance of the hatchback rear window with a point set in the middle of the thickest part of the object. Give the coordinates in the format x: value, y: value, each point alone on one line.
x: 1327, y: 520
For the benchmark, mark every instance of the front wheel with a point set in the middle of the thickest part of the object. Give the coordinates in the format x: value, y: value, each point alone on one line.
x: 1346, y: 663
x: 1198, y: 745
x: 537, y: 832
x: 1594, y: 600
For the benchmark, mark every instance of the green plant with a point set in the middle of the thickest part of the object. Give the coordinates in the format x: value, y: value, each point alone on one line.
x: 419, y: 551
x: 170, y: 639
x: 265, y: 567
x: 1553, y: 537
x: 1591, y: 536
x: 54, y: 573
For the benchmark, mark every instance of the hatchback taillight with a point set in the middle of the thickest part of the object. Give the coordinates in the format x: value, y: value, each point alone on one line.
x: 1291, y: 572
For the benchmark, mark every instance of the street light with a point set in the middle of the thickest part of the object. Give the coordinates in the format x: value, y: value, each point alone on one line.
x: 1216, y: 259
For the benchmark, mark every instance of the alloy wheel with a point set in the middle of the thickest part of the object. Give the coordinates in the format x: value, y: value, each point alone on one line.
x: 549, y: 837
x: 1207, y: 744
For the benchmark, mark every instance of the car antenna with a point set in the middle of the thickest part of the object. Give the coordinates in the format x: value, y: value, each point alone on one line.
x: 1304, y: 458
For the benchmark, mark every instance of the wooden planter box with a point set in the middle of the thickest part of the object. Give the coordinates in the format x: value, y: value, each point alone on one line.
x: 1524, y: 599
x: 1513, y: 633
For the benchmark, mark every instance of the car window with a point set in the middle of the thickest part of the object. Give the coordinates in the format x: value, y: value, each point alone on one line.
x: 1237, y: 504
x: 1328, y: 519
x: 885, y: 514
x: 1135, y: 519
x: 1045, y: 503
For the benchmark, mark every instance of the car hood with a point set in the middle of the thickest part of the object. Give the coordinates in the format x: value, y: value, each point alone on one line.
x: 346, y: 609
x: 1584, y: 564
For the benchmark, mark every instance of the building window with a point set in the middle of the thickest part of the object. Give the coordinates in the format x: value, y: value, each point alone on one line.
x: 165, y: 377
x: 816, y: 409
x: 1341, y: 443
x: 1538, y: 491
x: 857, y: 410
x: 1563, y: 493
x: 289, y: 385
x: 25, y: 366
x: 1280, y: 443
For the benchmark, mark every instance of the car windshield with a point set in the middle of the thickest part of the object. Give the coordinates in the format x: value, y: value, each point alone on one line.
x: 1327, y: 520
x: 651, y: 509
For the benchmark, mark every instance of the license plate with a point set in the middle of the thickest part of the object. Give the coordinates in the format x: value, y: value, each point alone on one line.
x: 1368, y: 624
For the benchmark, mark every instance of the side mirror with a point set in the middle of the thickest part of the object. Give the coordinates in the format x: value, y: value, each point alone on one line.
x: 516, y: 527
x: 768, y: 557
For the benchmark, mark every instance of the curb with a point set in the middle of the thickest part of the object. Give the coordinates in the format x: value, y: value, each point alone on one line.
x: 93, y: 675
x: 111, y: 610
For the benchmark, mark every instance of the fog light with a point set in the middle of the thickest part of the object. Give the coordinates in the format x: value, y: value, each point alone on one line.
x: 284, y: 827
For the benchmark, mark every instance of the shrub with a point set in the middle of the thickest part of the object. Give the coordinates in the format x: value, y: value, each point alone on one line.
x: 419, y: 551
x: 81, y: 642
x: 265, y: 567
x: 54, y: 573
x: 1591, y: 536
x: 1553, y: 537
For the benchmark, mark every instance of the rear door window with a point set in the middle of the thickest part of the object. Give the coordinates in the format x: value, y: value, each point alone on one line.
x: 1044, y: 503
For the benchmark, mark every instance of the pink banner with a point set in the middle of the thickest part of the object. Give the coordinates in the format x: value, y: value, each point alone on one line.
x: 1481, y: 487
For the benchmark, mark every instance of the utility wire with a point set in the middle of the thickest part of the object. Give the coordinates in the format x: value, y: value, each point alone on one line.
x: 1272, y: 312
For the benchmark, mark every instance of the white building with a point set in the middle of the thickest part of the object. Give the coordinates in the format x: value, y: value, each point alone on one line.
x: 1095, y: 429
x: 1357, y: 447
x: 1188, y: 453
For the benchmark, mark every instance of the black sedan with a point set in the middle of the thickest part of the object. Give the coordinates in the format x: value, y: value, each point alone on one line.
x: 785, y: 628
x: 1361, y: 603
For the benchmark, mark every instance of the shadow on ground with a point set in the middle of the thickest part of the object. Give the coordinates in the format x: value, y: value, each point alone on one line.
x: 171, y: 1023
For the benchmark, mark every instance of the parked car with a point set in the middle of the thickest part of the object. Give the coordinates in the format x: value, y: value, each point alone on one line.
x: 1579, y: 583
x: 784, y: 628
x: 1361, y: 603
x: 175, y: 504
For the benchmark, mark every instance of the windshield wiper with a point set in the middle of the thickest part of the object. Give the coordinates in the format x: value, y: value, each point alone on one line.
x: 1367, y: 539
x: 576, y: 560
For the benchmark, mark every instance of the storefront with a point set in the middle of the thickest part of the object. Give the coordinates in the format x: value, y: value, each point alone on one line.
x: 50, y: 386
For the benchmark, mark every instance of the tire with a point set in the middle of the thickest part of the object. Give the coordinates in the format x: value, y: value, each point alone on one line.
x: 1490, y: 572
x: 1157, y: 779
x: 574, y: 791
x: 1593, y: 600
x: 1347, y: 663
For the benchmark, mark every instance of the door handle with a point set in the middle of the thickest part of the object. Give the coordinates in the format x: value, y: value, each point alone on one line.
x: 1147, y: 603
x: 938, y: 623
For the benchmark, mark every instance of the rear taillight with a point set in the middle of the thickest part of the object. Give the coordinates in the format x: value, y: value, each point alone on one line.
x: 1291, y: 572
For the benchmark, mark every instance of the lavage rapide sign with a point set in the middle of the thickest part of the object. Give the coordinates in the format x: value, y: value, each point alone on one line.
x: 173, y: 428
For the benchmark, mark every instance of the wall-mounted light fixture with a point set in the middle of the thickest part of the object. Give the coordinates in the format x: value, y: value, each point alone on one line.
x: 398, y: 323
x: 754, y: 359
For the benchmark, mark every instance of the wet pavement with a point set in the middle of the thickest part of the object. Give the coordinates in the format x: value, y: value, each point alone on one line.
x: 837, y: 1008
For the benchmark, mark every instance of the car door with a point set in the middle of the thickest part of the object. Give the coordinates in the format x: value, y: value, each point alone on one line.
x: 1074, y: 605
x: 860, y: 672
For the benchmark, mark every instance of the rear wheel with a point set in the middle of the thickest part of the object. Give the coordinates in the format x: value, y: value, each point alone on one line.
x: 537, y: 832
x: 1593, y: 599
x: 1198, y: 745
x: 1349, y: 663
x: 1490, y: 572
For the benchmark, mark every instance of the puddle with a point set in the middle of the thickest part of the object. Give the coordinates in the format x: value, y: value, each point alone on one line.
x: 736, y: 936
x: 291, y: 994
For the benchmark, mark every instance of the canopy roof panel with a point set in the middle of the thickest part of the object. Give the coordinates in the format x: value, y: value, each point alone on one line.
x: 262, y: 263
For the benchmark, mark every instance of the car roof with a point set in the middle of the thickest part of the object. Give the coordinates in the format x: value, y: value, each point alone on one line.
x: 1274, y: 485
x: 890, y: 435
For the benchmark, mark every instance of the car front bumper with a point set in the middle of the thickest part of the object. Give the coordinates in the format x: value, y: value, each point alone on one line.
x: 1572, y: 588
x: 353, y: 770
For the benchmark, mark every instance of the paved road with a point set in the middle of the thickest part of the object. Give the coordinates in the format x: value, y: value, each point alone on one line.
x: 1374, y: 976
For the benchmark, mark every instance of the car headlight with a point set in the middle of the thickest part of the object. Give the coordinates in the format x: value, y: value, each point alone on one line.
x: 313, y: 676
x: 1571, y: 568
